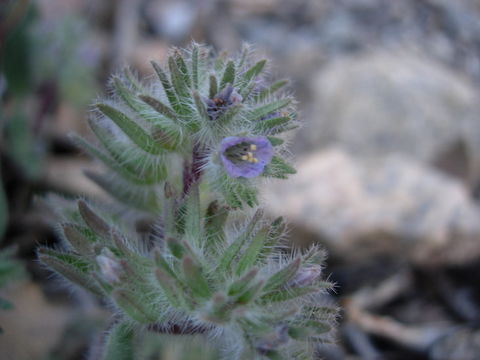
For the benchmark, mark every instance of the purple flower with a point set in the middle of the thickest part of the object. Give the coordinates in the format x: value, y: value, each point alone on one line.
x: 221, y: 101
x: 245, y: 156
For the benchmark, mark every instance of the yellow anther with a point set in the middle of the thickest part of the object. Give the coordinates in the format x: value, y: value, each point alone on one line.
x: 255, y: 160
x: 244, y: 157
x: 253, y: 147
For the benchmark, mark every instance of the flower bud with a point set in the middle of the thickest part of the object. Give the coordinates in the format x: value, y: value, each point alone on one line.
x: 110, y: 268
x: 306, y: 276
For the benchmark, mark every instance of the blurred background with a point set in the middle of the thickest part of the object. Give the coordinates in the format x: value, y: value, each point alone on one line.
x: 388, y: 160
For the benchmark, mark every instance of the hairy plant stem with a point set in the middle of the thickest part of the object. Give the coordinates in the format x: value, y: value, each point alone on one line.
x: 176, y: 329
x: 192, y: 171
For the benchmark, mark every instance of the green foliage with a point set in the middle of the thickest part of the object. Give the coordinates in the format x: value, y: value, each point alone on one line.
x: 20, y: 143
x: 213, y: 264
x: 3, y: 211
x: 10, y: 270
x: 119, y: 344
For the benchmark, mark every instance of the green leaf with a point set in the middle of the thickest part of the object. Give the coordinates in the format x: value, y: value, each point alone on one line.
x: 182, y: 66
x: 269, y: 108
x: 163, y: 264
x: 250, y: 294
x: 168, y: 286
x: 133, y: 305
x: 104, y: 285
x: 127, y: 95
x: 319, y: 327
x: 143, y: 198
x: 308, y: 329
x: 281, y: 277
x: 178, y: 79
x: 175, y: 247
x: 194, y: 278
x: 253, y: 251
x: 166, y: 137
x: 265, y: 93
x: 233, y: 249
x: 113, y: 164
x: 274, y: 355
x: 278, y: 168
x: 195, y: 67
x: 232, y: 199
x: 288, y: 294
x: 167, y: 87
x: 77, y: 239
x: 277, y: 229
x: 228, y: 75
x: 248, y: 194
x: 220, y: 61
x: 135, y: 166
x: 69, y: 259
x: 201, y: 108
x: 120, y: 343
x: 215, y: 219
x: 160, y: 107
x: 120, y: 243
x: 213, y: 89
x: 70, y: 267
x: 226, y: 117
x: 238, y: 191
x: 168, y: 273
x: 247, y: 90
x: 245, y: 53
x: 94, y: 221
x: 135, y: 132
x: 275, y: 141
x: 243, y: 283
x: 132, y: 79
x: 253, y: 72
x: 281, y: 129
x: 265, y: 125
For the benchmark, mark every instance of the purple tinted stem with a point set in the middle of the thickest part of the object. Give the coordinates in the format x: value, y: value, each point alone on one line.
x: 192, y: 171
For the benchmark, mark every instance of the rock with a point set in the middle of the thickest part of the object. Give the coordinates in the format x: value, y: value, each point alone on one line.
x: 394, y: 206
x: 144, y: 52
x: 33, y: 327
x: 172, y: 19
x: 462, y: 344
x: 395, y: 102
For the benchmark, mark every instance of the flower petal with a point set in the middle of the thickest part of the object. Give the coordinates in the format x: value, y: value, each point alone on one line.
x: 263, y: 155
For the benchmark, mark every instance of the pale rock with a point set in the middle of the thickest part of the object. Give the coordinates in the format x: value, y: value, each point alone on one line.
x: 33, y: 327
x: 395, y: 101
x: 394, y: 206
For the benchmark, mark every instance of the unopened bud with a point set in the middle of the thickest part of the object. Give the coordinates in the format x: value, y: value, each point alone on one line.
x: 110, y: 268
x: 306, y: 276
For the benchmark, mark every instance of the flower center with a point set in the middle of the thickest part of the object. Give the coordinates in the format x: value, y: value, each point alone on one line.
x: 242, y: 152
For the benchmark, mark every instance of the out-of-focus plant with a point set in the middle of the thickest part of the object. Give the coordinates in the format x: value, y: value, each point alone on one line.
x: 41, y: 64
x: 187, y: 152
x: 10, y: 270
